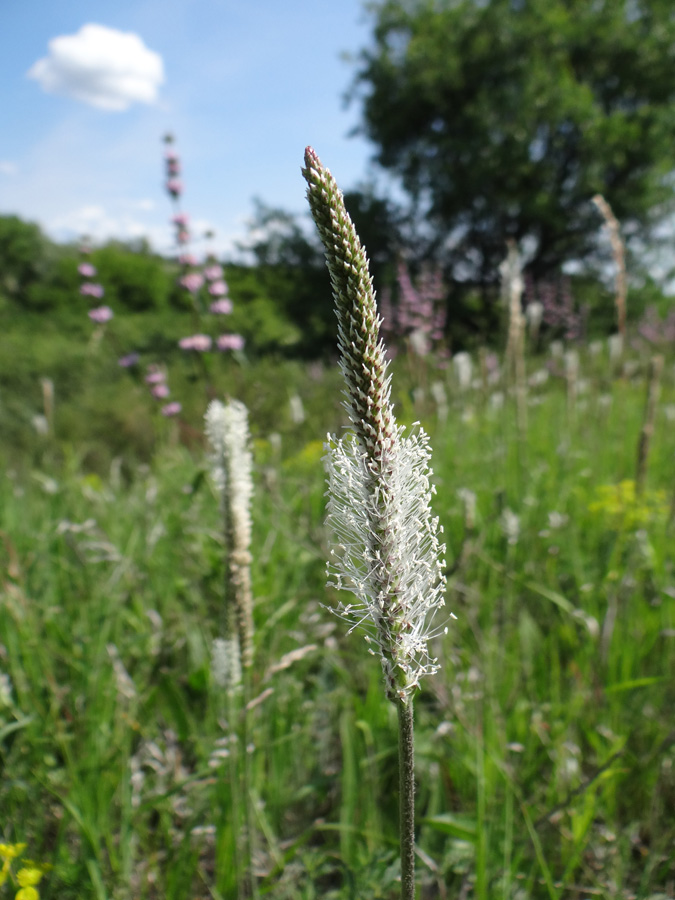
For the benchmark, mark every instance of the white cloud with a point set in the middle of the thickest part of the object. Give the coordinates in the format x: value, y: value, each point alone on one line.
x: 101, y: 66
x: 7, y: 167
x: 100, y: 224
x: 145, y: 205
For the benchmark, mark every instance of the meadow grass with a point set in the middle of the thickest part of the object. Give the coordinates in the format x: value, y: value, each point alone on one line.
x: 545, y: 745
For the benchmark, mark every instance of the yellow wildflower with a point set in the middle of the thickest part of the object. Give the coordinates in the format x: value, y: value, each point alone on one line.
x: 625, y: 508
x: 8, y: 852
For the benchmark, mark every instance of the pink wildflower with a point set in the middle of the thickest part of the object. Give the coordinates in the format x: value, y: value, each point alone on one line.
x: 187, y: 259
x: 86, y: 270
x: 183, y: 236
x: 180, y: 219
x: 213, y: 273
x: 160, y: 391
x: 218, y: 288
x: 200, y: 342
x: 89, y: 289
x: 230, y: 342
x: 155, y: 377
x: 171, y: 409
x: 174, y: 186
x: 101, y: 314
x: 192, y: 281
x: 221, y: 307
x: 170, y: 155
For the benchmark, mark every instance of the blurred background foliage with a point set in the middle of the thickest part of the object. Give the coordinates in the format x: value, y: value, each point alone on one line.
x: 494, y: 120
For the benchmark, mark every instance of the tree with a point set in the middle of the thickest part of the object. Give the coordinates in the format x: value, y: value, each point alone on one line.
x: 134, y: 278
x: 290, y: 269
x: 25, y: 256
x: 383, y: 228
x: 289, y: 279
x: 504, y: 117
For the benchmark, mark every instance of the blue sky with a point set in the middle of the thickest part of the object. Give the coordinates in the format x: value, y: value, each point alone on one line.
x: 243, y: 86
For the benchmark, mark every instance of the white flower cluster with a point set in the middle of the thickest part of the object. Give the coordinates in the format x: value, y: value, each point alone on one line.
x: 387, y: 553
x: 225, y: 663
x: 227, y: 433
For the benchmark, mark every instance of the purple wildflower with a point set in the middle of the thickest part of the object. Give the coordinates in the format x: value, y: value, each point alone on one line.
x: 174, y: 186
x: 419, y: 314
x: 218, y: 289
x: 192, y: 281
x: 101, y: 314
x: 89, y: 289
x: 221, y: 307
x: 86, y: 270
x: 199, y: 342
x: 656, y: 330
x: 213, y: 273
x: 126, y: 362
x: 230, y: 342
x: 560, y: 311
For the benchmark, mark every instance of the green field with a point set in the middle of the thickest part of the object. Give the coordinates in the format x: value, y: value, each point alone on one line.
x: 545, y: 746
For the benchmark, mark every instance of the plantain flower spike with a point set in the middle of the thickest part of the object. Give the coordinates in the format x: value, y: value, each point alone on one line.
x: 231, y: 464
x: 385, y: 547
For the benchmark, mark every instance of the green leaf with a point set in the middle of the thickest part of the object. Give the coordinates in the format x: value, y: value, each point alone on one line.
x: 634, y: 683
x: 456, y: 825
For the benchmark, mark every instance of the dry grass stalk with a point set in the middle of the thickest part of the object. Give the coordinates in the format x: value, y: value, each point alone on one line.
x: 619, y: 254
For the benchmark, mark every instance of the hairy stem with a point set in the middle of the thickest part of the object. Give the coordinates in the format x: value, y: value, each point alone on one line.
x: 406, y: 780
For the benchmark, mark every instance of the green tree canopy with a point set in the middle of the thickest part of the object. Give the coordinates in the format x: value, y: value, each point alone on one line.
x: 505, y: 117
x: 25, y: 256
x: 133, y: 277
